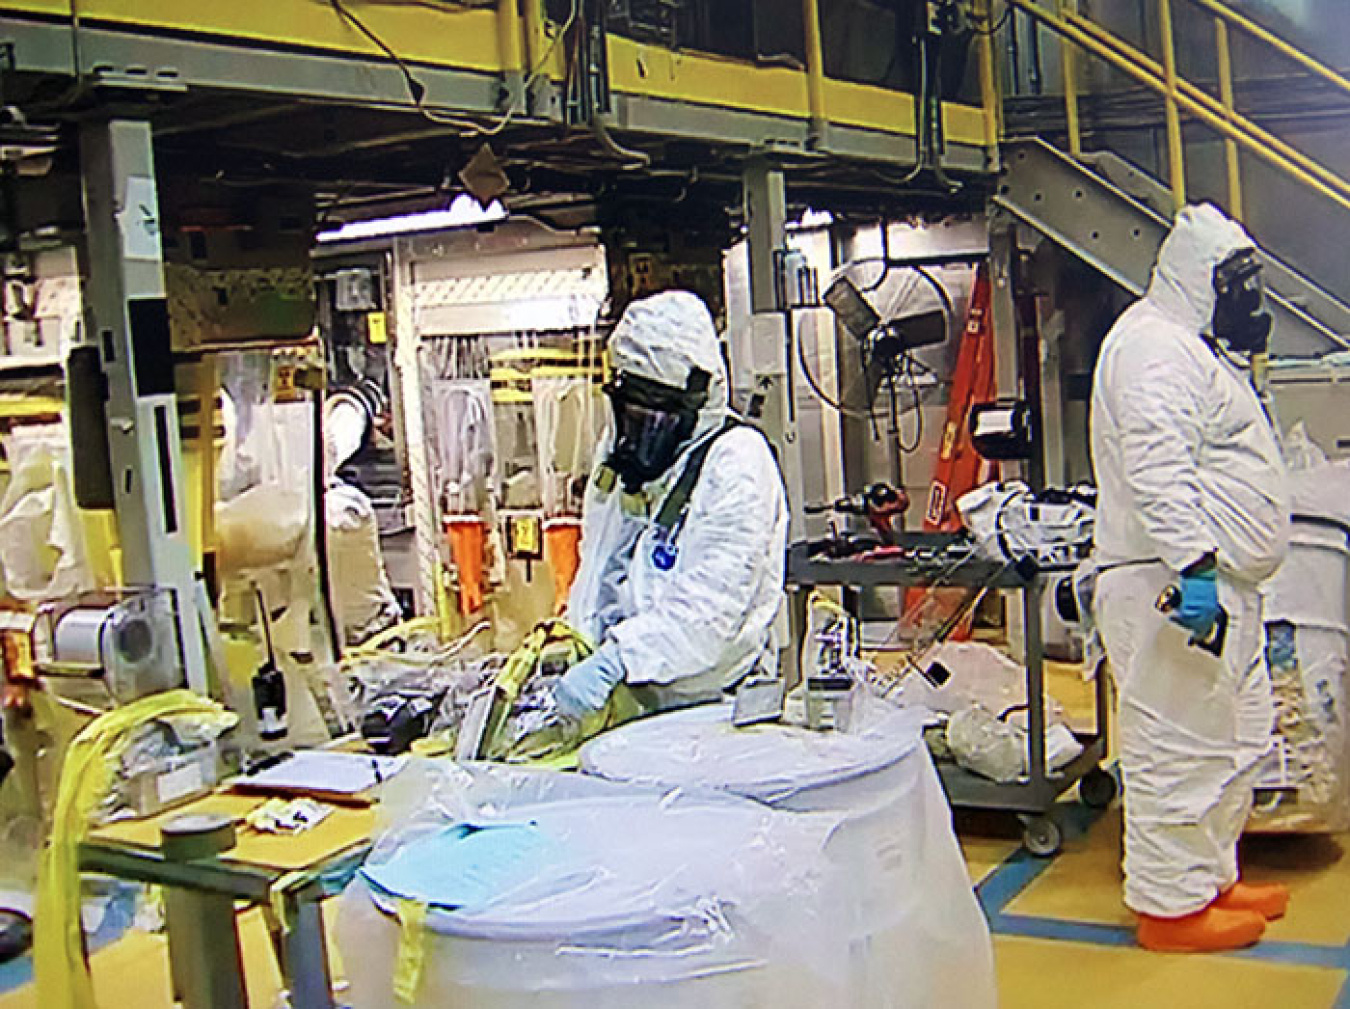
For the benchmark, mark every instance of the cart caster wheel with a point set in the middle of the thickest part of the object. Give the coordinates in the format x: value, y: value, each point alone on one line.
x: 1042, y: 836
x: 1098, y: 789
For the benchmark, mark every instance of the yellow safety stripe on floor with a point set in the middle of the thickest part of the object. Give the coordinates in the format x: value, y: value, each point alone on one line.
x: 63, y: 980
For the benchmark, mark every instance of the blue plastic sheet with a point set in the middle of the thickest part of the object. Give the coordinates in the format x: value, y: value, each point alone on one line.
x: 465, y: 866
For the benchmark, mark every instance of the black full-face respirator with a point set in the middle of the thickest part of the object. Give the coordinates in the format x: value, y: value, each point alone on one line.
x: 1240, y: 317
x: 652, y: 423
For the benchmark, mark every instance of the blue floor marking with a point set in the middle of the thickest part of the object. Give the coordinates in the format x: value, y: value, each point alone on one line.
x: 1020, y: 870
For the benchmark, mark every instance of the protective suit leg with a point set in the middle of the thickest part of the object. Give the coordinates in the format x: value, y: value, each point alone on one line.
x: 1191, y: 729
x: 1255, y: 719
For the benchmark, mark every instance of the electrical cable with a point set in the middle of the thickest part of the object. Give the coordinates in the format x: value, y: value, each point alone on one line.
x: 417, y: 90
x: 848, y: 411
x: 820, y: 393
x: 998, y: 25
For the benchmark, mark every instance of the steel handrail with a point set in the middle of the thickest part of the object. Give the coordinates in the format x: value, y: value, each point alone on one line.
x: 1185, y: 95
x: 1284, y: 48
x: 1257, y: 133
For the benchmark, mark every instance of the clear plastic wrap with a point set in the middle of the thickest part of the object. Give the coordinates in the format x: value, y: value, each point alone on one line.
x: 980, y: 674
x: 704, y: 899
x: 916, y: 936
x: 997, y: 747
x: 1304, y: 784
x: 42, y: 552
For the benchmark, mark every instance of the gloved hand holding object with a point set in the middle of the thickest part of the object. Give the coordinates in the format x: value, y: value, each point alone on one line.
x: 1194, y: 605
x: 586, y: 687
x: 1198, y: 607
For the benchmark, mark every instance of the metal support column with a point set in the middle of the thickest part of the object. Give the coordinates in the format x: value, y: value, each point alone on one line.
x: 407, y: 379
x: 770, y: 355
x: 1232, y: 156
x: 853, y: 430
x: 305, y: 958
x: 1069, y: 67
x: 128, y: 317
x: 771, y: 329
x: 1002, y: 274
x: 1176, y: 153
x: 1007, y: 347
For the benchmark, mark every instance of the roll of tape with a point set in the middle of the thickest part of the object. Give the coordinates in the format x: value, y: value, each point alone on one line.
x: 193, y: 836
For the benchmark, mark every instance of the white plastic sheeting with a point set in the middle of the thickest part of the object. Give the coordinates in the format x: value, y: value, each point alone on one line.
x: 1304, y: 785
x: 917, y: 937
x: 41, y: 545
x: 705, y: 900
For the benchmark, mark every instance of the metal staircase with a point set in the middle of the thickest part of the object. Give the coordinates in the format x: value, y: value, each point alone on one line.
x: 1114, y: 217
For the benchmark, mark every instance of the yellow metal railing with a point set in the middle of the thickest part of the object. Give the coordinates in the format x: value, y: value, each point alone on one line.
x: 1182, y: 96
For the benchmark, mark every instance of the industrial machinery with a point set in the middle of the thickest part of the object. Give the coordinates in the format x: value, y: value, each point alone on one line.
x: 128, y: 639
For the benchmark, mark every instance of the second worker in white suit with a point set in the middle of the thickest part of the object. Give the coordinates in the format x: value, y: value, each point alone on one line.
x: 1192, y: 495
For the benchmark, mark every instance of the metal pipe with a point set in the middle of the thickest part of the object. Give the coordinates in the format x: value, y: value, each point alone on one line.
x: 1014, y: 56
x: 1246, y: 131
x: 1230, y: 148
x: 989, y: 97
x: 1339, y: 192
x: 535, y: 34
x: 1176, y: 152
x: 815, y: 68
x: 1069, y: 71
x: 509, y: 38
x: 1274, y: 41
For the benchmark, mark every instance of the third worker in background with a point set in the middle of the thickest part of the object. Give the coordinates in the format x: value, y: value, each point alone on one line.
x: 685, y: 524
x: 1193, y: 506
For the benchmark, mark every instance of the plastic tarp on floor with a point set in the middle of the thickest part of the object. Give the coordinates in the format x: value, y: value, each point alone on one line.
x: 918, y: 937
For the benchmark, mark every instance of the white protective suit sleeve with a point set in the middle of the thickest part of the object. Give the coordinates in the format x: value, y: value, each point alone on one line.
x: 731, y: 544
x: 1160, y: 426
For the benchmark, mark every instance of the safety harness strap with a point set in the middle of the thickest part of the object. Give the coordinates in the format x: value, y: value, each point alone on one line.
x: 676, y: 503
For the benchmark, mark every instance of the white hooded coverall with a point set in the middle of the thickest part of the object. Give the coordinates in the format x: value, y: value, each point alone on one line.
x: 1186, y: 463
x: 690, y: 631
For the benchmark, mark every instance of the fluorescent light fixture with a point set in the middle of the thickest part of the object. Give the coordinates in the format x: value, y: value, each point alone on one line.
x: 463, y: 212
x: 811, y: 220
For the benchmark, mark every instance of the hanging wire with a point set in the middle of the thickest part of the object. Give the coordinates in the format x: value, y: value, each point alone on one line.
x: 417, y: 90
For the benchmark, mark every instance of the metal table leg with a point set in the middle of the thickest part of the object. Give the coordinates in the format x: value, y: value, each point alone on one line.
x: 305, y: 955
x: 204, y: 956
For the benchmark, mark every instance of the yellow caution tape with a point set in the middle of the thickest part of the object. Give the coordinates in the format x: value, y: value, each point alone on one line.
x: 63, y: 980
x: 276, y: 896
x: 411, y: 960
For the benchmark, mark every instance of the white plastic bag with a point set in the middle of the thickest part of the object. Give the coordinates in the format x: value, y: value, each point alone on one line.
x: 41, y: 544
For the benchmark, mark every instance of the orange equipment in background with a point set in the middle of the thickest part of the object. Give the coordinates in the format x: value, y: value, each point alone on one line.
x: 562, y: 550
x: 468, y: 536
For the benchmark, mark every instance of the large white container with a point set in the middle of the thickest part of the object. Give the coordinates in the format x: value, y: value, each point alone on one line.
x: 1304, y: 785
x: 918, y: 938
x: 646, y: 897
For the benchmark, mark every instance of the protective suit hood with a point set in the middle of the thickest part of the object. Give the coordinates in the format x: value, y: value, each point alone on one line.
x: 1182, y: 287
x: 664, y: 337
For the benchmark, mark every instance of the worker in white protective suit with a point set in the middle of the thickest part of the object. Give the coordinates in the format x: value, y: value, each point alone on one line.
x: 1192, y: 498
x: 684, y: 526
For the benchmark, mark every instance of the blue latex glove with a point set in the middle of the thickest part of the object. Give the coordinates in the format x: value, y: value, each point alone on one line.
x: 586, y: 687
x: 1199, y: 607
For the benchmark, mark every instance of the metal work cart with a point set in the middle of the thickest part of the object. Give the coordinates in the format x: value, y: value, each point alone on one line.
x: 1033, y: 796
